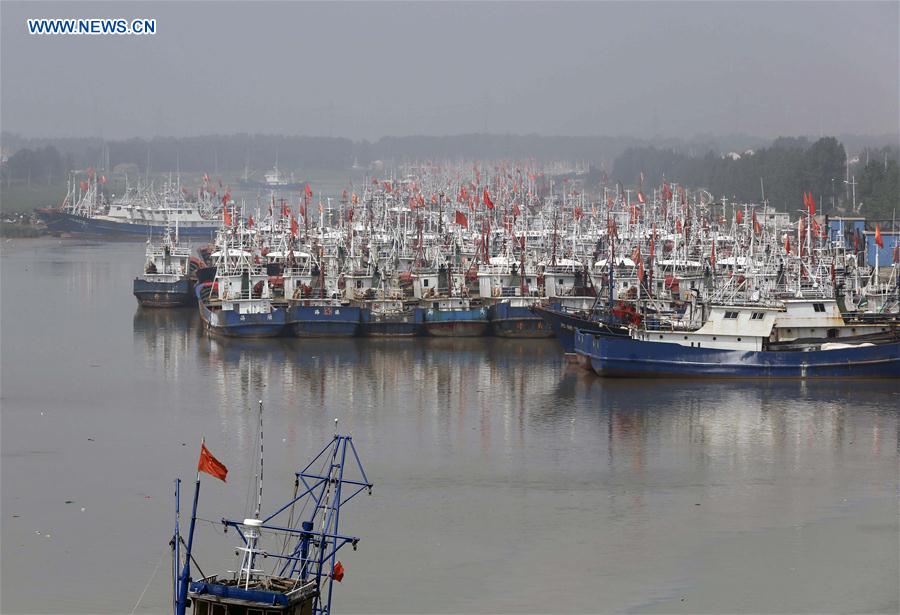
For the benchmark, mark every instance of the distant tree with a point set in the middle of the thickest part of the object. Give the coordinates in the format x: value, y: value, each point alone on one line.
x: 35, y: 166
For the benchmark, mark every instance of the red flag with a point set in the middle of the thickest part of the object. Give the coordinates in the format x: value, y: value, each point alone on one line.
x: 250, y: 222
x: 712, y: 254
x: 84, y: 186
x: 757, y: 229
x: 515, y: 210
x: 462, y: 220
x: 787, y: 244
x: 641, y: 271
x: 678, y: 228
x: 811, y: 205
x: 211, y: 465
x: 578, y: 213
x: 103, y: 179
x: 640, y: 197
x: 487, y: 199
x: 295, y: 228
x: 879, y: 241
x: 308, y: 191
x: 226, y: 216
x: 338, y: 572
x: 740, y: 216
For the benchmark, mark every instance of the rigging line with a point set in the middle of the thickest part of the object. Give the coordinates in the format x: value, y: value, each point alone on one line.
x: 193, y: 559
x: 149, y: 581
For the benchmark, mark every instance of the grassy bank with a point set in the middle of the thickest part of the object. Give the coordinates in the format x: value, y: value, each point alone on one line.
x: 22, y: 198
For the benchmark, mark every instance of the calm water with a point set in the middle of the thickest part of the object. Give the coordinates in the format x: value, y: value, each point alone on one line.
x: 504, y: 481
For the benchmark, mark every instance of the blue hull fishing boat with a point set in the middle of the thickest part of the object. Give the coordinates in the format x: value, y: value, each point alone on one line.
x: 322, y: 318
x: 390, y: 318
x: 454, y: 317
x: 514, y: 318
x: 564, y: 323
x: 163, y: 294
x: 167, y: 279
x: 297, y: 576
x: 626, y: 357
x: 252, y: 319
x: 63, y: 222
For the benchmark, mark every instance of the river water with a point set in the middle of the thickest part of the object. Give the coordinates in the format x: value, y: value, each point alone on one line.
x: 505, y: 481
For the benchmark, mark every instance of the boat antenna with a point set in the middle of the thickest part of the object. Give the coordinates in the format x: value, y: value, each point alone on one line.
x: 260, y: 479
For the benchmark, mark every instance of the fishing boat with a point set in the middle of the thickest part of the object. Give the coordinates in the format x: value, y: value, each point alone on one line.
x: 510, y: 287
x: 513, y: 317
x: 288, y: 557
x: 322, y: 318
x: 738, y: 342
x: 563, y: 321
x: 239, y: 302
x: 167, y: 277
x: 141, y: 211
x: 272, y: 180
x: 391, y: 318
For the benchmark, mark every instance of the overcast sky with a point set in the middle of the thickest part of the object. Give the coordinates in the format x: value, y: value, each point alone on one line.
x: 372, y: 69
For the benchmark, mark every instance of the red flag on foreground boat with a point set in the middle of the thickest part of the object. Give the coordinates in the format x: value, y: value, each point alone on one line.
x: 878, y: 239
x: 462, y: 220
x: 211, y: 465
x: 338, y: 574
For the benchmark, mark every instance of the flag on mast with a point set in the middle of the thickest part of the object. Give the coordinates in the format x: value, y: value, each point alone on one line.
x: 210, y: 464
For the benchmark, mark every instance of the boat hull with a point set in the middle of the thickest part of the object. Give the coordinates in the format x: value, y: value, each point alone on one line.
x: 564, y: 325
x: 323, y: 320
x: 517, y: 321
x: 163, y: 294
x: 63, y: 222
x: 625, y: 357
x: 232, y: 324
x: 405, y: 324
x: 472, y: 322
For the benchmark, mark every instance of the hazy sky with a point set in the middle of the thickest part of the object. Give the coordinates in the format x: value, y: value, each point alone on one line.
x: 373, y: 69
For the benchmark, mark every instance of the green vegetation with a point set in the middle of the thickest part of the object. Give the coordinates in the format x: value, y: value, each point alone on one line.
x: 19, y: 197
x: 786, y: 169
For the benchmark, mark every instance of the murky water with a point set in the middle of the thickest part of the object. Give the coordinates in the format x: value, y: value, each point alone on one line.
x: 504, y: 481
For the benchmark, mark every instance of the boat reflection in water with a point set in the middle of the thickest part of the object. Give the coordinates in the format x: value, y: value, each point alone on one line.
x: 167, y: 336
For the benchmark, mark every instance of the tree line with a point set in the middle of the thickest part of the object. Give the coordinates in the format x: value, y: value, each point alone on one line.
x: 780, y: 173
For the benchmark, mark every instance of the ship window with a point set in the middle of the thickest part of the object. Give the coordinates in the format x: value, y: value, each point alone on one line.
x: 739, y: 339
x: 714, y: 338
x: 219, y: 609
x: 200, y: 607
x: 425, y: 282
x: 731, y: 315
x: 757, y: 316
x: 685, y: 337
x: 359, y: 284
x: 819, y: 307
x: 660, y: 337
